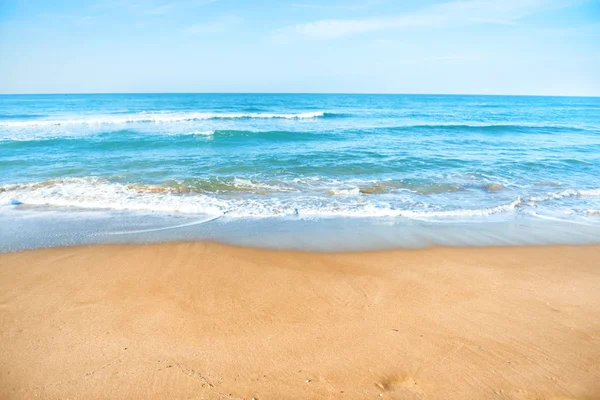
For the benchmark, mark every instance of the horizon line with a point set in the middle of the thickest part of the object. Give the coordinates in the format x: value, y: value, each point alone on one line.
x: 301, y: 93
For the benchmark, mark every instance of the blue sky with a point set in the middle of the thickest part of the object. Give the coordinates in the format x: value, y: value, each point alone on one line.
x: 376, y: 46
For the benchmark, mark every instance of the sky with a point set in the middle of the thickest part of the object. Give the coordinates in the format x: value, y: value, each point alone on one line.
x: 530, y: 47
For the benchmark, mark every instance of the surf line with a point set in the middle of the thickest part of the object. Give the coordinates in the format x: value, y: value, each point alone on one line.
x: 203, y: 221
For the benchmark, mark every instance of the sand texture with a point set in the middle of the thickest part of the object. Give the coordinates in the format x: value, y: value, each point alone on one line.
x: 209, y: 321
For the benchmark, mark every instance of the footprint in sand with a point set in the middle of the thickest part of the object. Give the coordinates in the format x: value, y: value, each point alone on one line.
x: 399, y: 386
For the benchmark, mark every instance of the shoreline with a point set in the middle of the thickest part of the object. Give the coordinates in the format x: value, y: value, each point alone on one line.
x: 208, y: 320
x: 27, y: 230
x: 215, y: 243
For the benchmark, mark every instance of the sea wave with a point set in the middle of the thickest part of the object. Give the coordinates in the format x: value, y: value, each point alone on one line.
x: 491, y: 127
x: 158, y: 118
x: 96, y: 193
x: 183, y: 117
x: 348, y: 192
x: 144, y: 130
x: 201, y: 133
x: 130, y: 137
x: 564, y: 194
x: 173, y: 187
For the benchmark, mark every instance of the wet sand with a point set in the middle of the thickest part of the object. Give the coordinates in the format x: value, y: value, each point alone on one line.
x: 209, y: 321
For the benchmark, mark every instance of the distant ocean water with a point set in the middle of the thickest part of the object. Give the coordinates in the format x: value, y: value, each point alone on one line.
x: 70, y: 165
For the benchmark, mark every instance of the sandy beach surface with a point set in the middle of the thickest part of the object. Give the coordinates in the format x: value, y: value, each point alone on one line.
x: 210, y: 321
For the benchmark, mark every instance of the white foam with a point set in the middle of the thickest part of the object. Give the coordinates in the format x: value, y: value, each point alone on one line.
x: 156, y: 118
x: 95, y: 193
x: 249, y: 184
x: 478, y: 212
x: 565, y: 193
x: 201, y: 133
x: 350, y: 192
x: 199, y: 222
x: 569, y: 220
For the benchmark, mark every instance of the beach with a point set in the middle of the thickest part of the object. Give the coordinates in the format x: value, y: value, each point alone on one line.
x: 204, y: 199
x: 209, y: 321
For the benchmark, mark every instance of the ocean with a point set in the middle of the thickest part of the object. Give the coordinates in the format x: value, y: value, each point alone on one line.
x: 317, y: 172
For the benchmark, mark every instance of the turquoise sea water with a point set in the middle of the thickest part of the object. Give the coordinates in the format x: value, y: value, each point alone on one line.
x: 288, y: 169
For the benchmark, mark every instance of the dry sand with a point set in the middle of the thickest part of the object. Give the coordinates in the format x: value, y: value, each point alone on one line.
x: 203, y: 320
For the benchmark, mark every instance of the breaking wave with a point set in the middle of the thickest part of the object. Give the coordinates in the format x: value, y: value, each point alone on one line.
x: 158, y: 118
x: 238, y: 198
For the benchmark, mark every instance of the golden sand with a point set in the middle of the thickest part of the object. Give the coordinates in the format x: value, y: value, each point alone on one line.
x: 209, y: 321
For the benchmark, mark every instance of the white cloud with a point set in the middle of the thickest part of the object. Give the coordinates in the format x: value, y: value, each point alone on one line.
x: 454, y: 13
